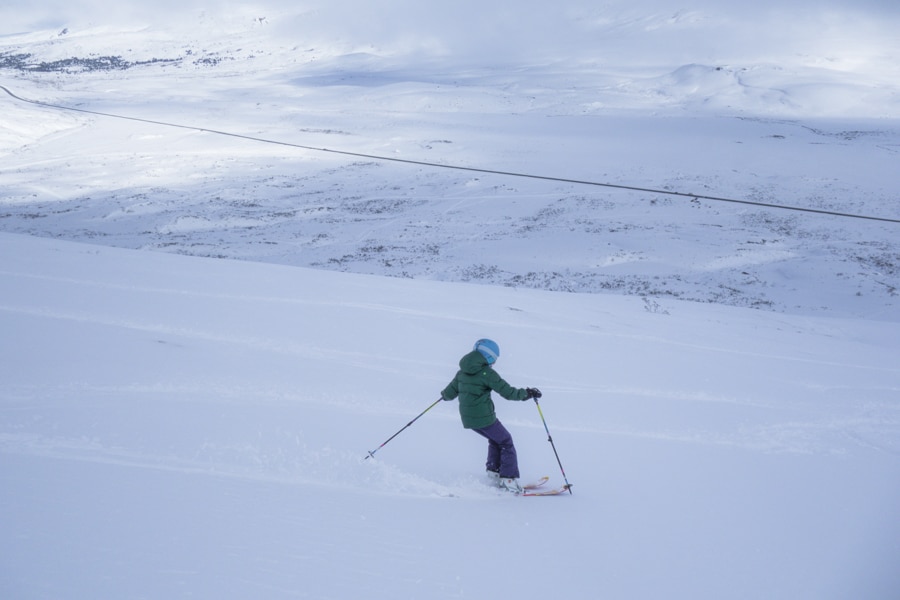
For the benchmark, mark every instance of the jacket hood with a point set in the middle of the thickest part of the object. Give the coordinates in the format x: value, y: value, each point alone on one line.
x: 472, y: 362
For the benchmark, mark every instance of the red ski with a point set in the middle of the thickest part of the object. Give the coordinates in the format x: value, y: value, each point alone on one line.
x: 550, y: 492
x: 536, y: 484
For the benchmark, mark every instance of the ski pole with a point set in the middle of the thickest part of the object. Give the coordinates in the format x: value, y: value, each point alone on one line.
x: 550, y: 439
x: 372, y: 453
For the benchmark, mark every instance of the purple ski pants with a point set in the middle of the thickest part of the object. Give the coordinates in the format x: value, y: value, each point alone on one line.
x: 501, y: 455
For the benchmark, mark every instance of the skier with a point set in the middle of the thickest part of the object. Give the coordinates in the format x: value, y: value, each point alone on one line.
x: 473, y: 384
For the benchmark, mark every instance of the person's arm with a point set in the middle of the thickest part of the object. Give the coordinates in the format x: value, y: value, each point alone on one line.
x: 451, y: 391
x: 499, y: 385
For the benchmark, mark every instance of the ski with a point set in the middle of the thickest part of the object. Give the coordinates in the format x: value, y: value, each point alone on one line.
x: 536, y: 484
x: 535, y: 488
x: 550, y: 492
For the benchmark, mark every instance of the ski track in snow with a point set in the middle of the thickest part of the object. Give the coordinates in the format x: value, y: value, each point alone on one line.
x: 311, y: 301
x: 816, y: 435
x: 315, y: 468
x: 802, y: 436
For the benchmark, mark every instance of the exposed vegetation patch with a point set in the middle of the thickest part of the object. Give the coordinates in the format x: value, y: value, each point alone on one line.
x: 27, y: 63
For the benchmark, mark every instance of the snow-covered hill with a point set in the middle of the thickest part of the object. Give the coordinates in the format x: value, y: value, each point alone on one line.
x: 723, y: 388
x: 602, y: 99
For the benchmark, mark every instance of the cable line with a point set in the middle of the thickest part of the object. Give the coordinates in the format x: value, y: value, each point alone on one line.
x: 464, y: 168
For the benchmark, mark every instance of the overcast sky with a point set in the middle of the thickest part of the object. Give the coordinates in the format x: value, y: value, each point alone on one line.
x: 22, y: 15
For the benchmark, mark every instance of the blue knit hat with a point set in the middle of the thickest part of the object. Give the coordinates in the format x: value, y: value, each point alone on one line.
x: 488, y: 349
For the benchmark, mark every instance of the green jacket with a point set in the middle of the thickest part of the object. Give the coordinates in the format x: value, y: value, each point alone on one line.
x: 473, y: 384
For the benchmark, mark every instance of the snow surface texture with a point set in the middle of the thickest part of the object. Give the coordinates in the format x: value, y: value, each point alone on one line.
x: 176, y: 426
x: 180, y: 426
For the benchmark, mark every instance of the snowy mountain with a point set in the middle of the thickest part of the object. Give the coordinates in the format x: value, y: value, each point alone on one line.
x: 786, y: 131
x: 715, y: 182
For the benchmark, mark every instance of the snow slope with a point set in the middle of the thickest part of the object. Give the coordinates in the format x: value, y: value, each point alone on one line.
x: 183, y: 427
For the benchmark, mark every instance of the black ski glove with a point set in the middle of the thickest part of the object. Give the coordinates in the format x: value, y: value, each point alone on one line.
x: 532, y: 393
